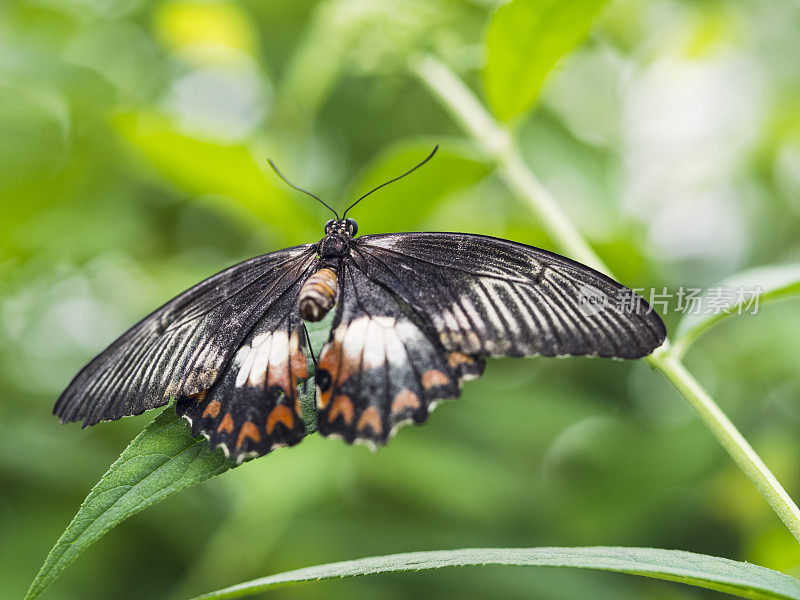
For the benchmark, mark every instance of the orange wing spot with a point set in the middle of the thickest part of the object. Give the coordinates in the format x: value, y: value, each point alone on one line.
x: 337, y: 361
x: 351, y: 363
x: 342, y: 405
x: 279, y: 376
x: 212, y: 410
x: 299, y: 365
x: 405, y: 399
x: 280, y: 414
x: 370, y: 418
x: 324, y: 397
x: 434, y: 378
x: 459, y: 358
x: 248, y: 430
x: 329, y: 361
x: 298, y: 407
x: 199, y: 396
x: 331, y: 357
x: 287, y: 375
x: 226, y: 425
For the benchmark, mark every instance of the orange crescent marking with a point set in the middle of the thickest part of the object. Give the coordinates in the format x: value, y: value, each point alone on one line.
x: 434, y: 378
x: 323, y: 398
x: 226, y: 425
x: 341, y: 405
x: 248, y: 430
x: 405, y: 399
x: 459, y: 358
x: 370, y: 418
x: 280, y: 414
x: 212, y: 410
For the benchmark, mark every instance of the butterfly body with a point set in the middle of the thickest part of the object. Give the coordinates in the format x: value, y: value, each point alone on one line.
x: 318, y: 294
x: 415, y: 314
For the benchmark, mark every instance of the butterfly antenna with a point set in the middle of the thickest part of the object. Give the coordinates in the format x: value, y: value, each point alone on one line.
x: 299, y: 189
x: 411, y: 170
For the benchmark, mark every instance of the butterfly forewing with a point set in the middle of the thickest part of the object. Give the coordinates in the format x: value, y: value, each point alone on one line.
x: 181, y: 348
x: 489, y: 296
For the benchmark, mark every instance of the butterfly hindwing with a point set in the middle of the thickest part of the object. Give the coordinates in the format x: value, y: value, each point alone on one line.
x: 489, y: 296
x: 181, y: 348
x: 255, y: 404
x: 381, y: 367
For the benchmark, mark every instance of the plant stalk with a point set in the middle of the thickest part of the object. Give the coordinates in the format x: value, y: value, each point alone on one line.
x: 498, y: 144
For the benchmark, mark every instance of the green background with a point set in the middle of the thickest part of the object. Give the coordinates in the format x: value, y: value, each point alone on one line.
x: 133, y: 144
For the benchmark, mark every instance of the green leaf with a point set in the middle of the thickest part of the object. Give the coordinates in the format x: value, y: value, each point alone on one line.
x: 767, y: 283
x: 160, y: 461
x: 524, y: 41
x: 721, y: 574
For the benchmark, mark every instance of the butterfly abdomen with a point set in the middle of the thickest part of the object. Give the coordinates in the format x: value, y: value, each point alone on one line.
x: 318, y: 295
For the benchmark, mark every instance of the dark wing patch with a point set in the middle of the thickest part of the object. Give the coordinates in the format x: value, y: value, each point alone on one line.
x: 254, y: 406
x: 381, y: 367
x: 181, y: 348
x: 488, y: 296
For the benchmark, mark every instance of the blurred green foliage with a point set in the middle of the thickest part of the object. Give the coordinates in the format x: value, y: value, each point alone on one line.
x: 524, y: 40
x: 133, y: 144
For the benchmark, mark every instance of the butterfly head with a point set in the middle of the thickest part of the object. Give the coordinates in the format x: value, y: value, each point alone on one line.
x: 347, y: 227
x: 338, y: 233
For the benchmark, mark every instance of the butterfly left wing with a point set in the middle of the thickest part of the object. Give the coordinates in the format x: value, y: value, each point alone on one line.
x: 381, y: 367
x: 181, y: 348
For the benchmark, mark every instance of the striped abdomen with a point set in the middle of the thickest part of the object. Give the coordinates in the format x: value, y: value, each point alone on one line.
x: 318, y: 295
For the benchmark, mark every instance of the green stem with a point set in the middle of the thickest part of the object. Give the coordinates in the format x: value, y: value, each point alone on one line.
x: 499, y: 145
x: 465, y: 108
x: 729, y: 437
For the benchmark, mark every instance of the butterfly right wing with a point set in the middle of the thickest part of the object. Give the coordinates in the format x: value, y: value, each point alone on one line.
x: 489, y: 296
x: 181, y: 348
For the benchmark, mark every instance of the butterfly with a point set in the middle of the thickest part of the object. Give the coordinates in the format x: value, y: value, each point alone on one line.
x: 415, y: 315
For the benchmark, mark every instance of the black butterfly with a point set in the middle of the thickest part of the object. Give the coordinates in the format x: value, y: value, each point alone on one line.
x: 416, y: 313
